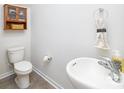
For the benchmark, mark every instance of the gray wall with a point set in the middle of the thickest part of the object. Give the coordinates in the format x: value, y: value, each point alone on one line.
x: 68, y: 31
x: 11, y: 39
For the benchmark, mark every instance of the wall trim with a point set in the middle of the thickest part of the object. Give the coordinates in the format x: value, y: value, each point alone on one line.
x: 44, y: 76
x: 7, y: 74
x: 48, y: 79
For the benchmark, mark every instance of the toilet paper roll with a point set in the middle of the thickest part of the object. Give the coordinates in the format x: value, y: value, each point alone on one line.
x: 47, y: 59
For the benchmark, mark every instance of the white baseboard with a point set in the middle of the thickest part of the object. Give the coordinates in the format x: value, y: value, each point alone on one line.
x: 48, y: 79
x: 44, y: 76
x: 4, y: 75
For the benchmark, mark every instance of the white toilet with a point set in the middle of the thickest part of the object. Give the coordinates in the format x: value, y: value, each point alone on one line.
x: 21, y: 67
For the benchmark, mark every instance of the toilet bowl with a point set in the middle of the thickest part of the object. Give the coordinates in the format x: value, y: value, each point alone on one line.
x: 21, y: 67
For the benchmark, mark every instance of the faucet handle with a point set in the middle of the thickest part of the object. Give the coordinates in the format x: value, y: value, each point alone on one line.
x: 105, y: 58
x: 118, y: 65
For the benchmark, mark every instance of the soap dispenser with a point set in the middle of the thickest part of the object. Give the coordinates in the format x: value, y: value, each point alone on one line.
x: 117, y: 57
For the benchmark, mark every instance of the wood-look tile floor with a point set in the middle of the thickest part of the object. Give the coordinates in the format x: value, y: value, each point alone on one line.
x: 37, y: 82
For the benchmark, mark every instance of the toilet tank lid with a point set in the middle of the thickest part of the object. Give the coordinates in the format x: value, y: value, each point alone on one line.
x: 15, y: 49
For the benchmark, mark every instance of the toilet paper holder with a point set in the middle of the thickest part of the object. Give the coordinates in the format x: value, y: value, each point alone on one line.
x: 47, y: 59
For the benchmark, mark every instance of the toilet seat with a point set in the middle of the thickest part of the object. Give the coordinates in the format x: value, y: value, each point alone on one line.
x: 23, y: 67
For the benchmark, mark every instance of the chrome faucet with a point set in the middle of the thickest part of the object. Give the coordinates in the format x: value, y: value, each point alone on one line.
x: 114, y: 67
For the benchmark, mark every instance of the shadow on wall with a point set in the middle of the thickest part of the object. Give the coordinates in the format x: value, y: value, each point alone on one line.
x: 11, y: 33
x: 103, y: 53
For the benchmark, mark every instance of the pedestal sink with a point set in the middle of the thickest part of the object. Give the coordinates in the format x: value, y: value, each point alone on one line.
x: 86, y: 73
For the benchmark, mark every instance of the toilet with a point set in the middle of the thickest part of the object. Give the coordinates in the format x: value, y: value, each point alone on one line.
x: 21, y: 67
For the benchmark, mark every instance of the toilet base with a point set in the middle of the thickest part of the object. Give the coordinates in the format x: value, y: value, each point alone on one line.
x: 22, y: 81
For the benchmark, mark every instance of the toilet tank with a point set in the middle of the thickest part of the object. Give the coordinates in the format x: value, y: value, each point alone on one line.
x: 16, y: 54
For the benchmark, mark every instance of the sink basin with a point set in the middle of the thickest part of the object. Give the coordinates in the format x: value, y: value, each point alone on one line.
x: 86, y: 73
